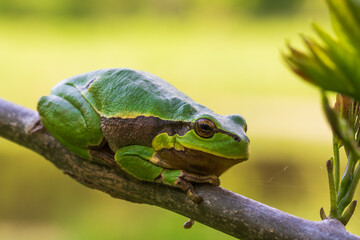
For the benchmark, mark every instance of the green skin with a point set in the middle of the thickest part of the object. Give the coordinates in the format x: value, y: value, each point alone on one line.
x: 153, y: 131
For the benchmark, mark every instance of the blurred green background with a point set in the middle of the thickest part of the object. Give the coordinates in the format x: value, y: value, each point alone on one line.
x: 225, y: 54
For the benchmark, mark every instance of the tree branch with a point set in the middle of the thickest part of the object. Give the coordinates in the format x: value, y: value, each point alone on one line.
x: 221, y: 209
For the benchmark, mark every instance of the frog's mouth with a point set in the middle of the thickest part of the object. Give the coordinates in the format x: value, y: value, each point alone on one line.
x: 197, y: 162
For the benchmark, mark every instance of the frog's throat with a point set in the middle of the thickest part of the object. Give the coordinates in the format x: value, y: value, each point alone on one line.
x: 194, y: 161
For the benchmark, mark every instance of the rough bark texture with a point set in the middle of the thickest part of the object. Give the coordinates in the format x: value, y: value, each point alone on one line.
x: 221, y: 209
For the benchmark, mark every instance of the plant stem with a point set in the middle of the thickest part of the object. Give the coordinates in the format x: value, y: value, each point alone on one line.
x: 336, y: 162
x: 333, y: 204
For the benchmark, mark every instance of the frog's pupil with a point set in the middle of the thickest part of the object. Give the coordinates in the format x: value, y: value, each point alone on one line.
x: 205, y: 127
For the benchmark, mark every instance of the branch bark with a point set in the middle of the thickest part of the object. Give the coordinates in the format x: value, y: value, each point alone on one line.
x: 221, y: 209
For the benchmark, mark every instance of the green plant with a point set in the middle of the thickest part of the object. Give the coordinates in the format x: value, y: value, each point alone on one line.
x: 333, y: 64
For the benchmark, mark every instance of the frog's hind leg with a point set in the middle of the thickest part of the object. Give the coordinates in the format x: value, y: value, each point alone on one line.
x: 70, y: 119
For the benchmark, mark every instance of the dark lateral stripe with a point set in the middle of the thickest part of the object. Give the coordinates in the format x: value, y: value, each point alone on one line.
x: 140, y: 130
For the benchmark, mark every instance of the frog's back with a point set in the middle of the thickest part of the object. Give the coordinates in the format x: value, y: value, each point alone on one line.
x: 127, y: 93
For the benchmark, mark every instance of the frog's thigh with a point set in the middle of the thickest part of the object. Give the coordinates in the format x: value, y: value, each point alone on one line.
x: 65, y: 122
x: 134, y: 159
x: 90, y: 119
x: 71, y: 119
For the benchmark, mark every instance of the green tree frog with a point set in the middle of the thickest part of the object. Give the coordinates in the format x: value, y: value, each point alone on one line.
x: 152, y: 131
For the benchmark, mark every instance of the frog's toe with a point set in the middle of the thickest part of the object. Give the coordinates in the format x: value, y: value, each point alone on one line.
x: 216, y: 182
x: 190, y: 193
x: 187, y: 187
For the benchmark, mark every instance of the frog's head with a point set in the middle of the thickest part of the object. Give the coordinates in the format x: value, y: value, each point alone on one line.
x: 210, y: 144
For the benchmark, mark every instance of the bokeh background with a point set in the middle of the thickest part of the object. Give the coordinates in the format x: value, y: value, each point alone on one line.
x: 225, y: 54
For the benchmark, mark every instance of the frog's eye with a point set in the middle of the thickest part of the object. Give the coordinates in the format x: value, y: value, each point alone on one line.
x: 205, y: 127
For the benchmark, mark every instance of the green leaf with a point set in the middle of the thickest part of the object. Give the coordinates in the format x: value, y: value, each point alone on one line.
x: 333, y: 64
x: 345, y: 20
x: 344, y: 219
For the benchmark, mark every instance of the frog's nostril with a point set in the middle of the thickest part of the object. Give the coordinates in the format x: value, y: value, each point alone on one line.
x: 237, y: 139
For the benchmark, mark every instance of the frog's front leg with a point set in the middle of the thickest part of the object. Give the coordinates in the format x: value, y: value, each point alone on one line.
x: 182, y: 179
x: 136, y: 160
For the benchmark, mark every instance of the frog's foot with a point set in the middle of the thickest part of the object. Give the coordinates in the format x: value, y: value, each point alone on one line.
x: 183, y: 181
x: 168, y: 177
x: 212, y: 179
